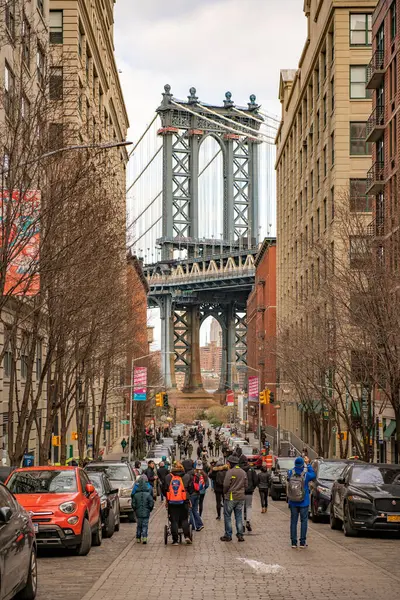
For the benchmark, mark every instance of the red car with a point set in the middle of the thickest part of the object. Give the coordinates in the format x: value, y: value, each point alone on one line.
x: 63, y: 504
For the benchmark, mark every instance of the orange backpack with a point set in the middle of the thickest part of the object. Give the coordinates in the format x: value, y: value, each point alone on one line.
x: 176, y: 492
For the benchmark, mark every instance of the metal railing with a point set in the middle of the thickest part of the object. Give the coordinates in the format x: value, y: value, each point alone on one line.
x: 376, y: 119
x: 187, y: 278
x: 375, y: 174
x: 376, y: 63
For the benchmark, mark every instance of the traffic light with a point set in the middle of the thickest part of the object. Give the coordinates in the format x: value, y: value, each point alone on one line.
x: 165, y: 399
x: 263, y: 398
x: 271, y: 397
x: 74, y: 436
x: 159, y: 399
x: 267, y: 396
x: 56, y: 441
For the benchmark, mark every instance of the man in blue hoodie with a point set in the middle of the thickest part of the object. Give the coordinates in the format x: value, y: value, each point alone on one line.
x: 300, y: 489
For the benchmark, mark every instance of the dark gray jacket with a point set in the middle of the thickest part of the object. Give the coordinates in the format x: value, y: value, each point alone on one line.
x: 235, y: 484
x: 264, y: 478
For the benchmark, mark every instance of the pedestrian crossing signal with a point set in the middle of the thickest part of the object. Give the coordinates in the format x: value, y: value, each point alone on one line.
x: 159, y: 399
x: 271, y: 397
x: 165, y: 400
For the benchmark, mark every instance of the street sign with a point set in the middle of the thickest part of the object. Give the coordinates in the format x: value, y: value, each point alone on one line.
x: 107, y: 425
x: 253, y: 388
x: 28, y: 460
x: 90, y: 436
x: 56, y: 440
x: 380, y: 429
x: 124, y: 421
x: 140, y: 384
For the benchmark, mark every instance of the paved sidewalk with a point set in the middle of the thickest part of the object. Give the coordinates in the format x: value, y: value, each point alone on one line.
x: 264, y: 566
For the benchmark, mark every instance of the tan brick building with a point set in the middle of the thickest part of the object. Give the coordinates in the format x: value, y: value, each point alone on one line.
x: 321, y: 150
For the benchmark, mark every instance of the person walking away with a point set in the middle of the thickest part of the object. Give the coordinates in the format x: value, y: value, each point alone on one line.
x: 198, y: 484
x: 298, y: 494
x: 252, y: 482
x: 177, y: 503
x: 235, y: 484
x: 217, y: 447
x: 142, y: 504
x: 150, y: 473
x: 211, y: 447
x: 190, y: 449
x: 124, y: 444
x: 162, y: 472
x: 182, y: 450
x: 199, y: 451
x: 264, y: 479
x: 137, y: 467
x: 218, y: 476
x: 203, y: 485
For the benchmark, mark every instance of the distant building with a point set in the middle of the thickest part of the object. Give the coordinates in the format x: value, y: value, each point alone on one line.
x: 216, y: 333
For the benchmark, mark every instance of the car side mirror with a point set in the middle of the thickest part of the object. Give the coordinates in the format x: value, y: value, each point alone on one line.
x: 341, y: 480
x: 90, y: 488
x: 5, y: 514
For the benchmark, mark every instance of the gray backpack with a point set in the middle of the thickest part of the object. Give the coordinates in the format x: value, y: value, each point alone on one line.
x: 296, y: 489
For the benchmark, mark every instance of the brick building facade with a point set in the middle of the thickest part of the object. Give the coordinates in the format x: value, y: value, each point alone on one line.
x: 261, y: 331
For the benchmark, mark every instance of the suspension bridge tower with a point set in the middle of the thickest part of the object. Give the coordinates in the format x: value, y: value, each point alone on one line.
x: 197, y: 277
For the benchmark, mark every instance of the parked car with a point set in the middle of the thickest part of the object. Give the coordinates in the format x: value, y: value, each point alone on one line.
x: 366, y: 497
x: 279, y: 477
x: 63, y: 504
x: 157, y: 453
x: 109, y: 503
x: 18, y: 568
x: 327, y: 471
x: 122, y: 478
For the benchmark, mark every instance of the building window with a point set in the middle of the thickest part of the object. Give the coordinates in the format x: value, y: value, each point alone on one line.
x: 325, y: 215
x: 358, y: 145
x: 332, y: 203
x: 7, y: 360
x: 9, y: 87
x: 360, y: 29
x: 56, y: 27
x: 38, y: 359
x: 332, y: 149
x: 24, y: 358
x: 80, y: 41
x: 56, y: 83
x: 359, y: 201
x: 55, y: 136
x: 358, y: 251
x: 26, y: 42
x: 318, y: 175
x: 40, y: 5
x: 317, y: 125
x: 333, y: 94
x: 358, y: 80
x: 10, y: 17
x: 393, y: 24
x: 324, y: 108
x: 325, y: 166
x: 40, y: 65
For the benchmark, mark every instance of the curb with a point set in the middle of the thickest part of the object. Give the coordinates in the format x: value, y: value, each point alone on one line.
x: 95, y: 588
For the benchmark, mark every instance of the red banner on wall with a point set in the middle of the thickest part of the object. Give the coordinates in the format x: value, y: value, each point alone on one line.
x: 253, y: 388
x: 230, y: 398
x: 19, y: 223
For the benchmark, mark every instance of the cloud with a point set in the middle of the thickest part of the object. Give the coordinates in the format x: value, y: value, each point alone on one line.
x: 214, y: 45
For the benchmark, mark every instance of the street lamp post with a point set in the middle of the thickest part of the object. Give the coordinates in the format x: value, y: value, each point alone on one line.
x: 259, y: 403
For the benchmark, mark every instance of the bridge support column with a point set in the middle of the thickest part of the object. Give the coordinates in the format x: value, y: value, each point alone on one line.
x: 228, y: 350
x: 193, y: 381
x: 167, y: 345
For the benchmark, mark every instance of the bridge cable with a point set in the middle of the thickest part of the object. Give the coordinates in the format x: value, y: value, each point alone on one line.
x: 240, y: 112
x: 221, y: 125
x: 159, y: 193
x: 144, y: 169
x: 232, y: 121
x: 144, y: 233
x: 142, y: 136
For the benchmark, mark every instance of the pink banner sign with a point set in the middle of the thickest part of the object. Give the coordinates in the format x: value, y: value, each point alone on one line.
x: 140, y: 384
x: 253, y: 388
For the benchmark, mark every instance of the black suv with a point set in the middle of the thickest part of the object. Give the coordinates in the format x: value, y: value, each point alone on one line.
x: 327, y: 470
x: 366, y: 497
x: 279, y: 477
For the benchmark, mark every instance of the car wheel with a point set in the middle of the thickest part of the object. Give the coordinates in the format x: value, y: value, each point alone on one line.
x: 335, y: 523
x: 274, y: 495
x: 97, y: 536
x: 86, y: 542
x: 315, y: 518
x: 132, y: 517
x: 347, y: 528
x: 29, y: 591
x: 117, y: 520
x: 109, y: 526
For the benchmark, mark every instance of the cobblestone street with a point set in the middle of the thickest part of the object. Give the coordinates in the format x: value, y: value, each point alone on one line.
x: 264, y: 566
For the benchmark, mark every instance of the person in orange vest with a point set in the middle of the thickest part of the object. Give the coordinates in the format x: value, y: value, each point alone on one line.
x: 177, y: 503
x: 268, y: 461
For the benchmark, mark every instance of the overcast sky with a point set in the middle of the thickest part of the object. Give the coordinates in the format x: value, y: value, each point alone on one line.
x: 213, y: 45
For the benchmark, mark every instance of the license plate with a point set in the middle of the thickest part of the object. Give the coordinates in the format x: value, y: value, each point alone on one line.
x: 36, y: 527
x: 393, y: 519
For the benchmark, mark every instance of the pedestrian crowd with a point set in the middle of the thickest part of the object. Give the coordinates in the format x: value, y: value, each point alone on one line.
x: 184, y: 484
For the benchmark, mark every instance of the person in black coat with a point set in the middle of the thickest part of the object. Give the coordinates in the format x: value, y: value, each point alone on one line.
x: 217, y: 475
x: 264, y: 479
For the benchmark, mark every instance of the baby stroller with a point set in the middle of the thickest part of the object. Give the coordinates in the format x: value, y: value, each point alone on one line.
x: 167, y: 531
